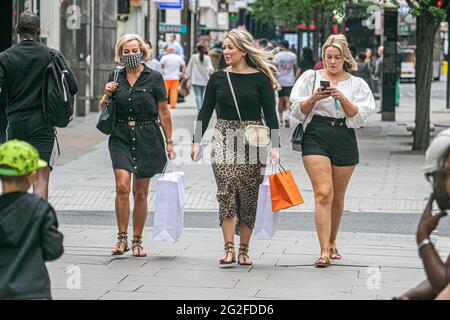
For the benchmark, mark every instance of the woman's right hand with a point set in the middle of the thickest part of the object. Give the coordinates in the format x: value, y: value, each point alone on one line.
x: 110, y: 88
x: 321, y: 94
x: 195, y: 149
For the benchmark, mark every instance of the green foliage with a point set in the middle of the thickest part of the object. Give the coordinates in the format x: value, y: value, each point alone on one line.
x: 419, y: 7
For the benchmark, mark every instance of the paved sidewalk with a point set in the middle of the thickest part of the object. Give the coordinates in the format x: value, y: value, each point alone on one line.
x: 374, y: 266
x: 388, y: 180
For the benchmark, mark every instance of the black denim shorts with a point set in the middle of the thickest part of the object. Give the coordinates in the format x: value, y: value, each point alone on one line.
x: 330, y: 137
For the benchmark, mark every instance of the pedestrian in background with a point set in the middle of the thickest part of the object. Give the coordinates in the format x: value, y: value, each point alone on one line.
x: 330, y: 150
x: 22, y: 69
x: 177, y: 47
x: 171, y: 65
x: 285, y: 61
x: 378, y: 73
x: 363, y: 70
x: 371, y: 65
x: 152, y: 63
x: 136, y: 145
x: 437, y: 171
x: 216, y: 55
x: 306, y: 63
x: 29, y: 234
x: 198, y: 71
x: 319, y: 65
x: 238, y: 180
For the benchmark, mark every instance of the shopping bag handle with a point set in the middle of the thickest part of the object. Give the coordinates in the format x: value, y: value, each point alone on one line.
x: 278, y: 166
x: 167, y: 163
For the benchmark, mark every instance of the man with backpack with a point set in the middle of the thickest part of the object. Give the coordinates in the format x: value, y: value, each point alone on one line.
x: 22, y: 70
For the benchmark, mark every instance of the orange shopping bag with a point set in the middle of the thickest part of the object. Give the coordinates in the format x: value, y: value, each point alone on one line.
x: 284, y: 191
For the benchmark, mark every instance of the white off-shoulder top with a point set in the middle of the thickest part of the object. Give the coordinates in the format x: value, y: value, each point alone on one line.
x: 354, y: 88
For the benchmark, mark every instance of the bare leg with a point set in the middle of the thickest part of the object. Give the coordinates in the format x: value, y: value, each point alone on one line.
x: 228, y: 226
x: 281, y: 109
x: 245, y: 234
x: 123, y: 187
x: 140, y: 211
x: 341, y: 178
x: 320, y: 173
x: 40, y: 184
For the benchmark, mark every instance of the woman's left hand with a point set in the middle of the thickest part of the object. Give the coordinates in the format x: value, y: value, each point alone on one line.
x: 336, y: 94
x: 276, y: 155
x: 170, y: 151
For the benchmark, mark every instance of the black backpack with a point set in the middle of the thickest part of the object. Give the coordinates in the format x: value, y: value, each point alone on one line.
x: 56, y: 99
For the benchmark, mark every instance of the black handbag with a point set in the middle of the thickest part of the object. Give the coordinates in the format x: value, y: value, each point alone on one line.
x: 107, y: 120
x: 297, y: 138
x: 297, y: 135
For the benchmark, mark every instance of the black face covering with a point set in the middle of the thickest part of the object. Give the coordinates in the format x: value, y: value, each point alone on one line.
x: 132, y: 61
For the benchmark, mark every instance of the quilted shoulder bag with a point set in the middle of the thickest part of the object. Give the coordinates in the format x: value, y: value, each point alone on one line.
x: 254, y: 135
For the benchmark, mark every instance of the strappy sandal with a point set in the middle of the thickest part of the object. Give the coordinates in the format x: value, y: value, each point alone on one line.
x: 334, y: 254
x: 122, y: 238
x: 243, y: 252
x: 229, y: 249
x: 137, y: 244
x: 322, y: 262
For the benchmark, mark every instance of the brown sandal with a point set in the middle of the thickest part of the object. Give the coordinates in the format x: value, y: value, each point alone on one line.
x: 137, y: 244
x: 334, y: 254
x: 322, y: 262
x: 229, y: 249
x: 122, y: 237
x: 243, y: 251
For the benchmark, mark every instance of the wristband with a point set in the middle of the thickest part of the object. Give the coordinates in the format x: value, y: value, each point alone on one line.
x: 425, y: 242
x: 169, y: 141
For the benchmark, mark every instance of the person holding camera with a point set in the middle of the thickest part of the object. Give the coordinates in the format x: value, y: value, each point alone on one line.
x: 331, y: 103
x: 437, y: 171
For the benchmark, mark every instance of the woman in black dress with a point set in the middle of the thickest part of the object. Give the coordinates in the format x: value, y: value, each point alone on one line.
x: 238, y: 176
x: 136, y: 146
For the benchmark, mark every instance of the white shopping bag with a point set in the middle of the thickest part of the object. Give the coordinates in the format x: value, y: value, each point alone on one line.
x: 266, y: 224
x: 169, y: 207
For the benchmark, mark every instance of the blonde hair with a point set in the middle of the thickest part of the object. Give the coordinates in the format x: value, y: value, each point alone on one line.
x: 125, y: 39
x: 255, y: 57
x: 339, y: 41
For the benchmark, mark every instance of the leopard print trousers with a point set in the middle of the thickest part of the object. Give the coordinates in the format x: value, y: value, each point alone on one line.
x: 237, y: 169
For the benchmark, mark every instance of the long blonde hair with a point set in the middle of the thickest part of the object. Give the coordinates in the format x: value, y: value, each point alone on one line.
x: 339, y: 41
x: 255, y: 57
x: 125, y: 39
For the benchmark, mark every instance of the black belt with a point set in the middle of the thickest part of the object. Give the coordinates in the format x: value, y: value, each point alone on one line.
x: 334, y: 122
x: 133, y: 123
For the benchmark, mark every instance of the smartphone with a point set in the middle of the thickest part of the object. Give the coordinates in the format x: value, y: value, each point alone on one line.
x: 324, y: 84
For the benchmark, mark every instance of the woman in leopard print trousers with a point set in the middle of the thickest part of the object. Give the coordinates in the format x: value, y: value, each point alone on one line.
x: 237, y: 167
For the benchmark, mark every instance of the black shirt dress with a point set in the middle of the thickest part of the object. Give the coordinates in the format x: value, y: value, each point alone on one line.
x: 138, y: 148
